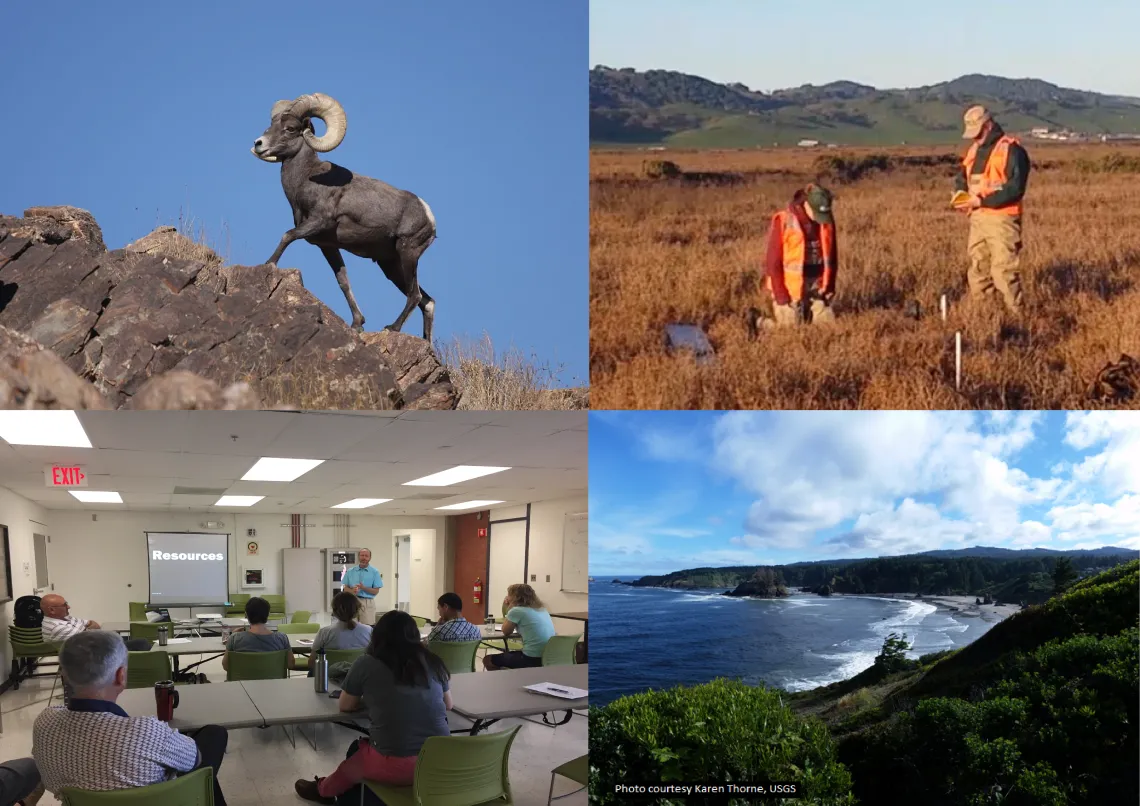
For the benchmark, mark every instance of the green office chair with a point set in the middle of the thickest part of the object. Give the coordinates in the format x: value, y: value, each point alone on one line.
x: 138, y: 611
x: 258, y: 665
x: 149, y: 630
x: 305, y: 628
x: 276, y: 606
x: 342, y: 655
x: 456, y: 771
x: 144, y: 669
x: 577, y: 771
x: 457, y: 656
x: 236, y: 607
x: 192, y: 789
x: 300, y: 616
x: 28, y: 646
x: 421, y: 621
x: 560, y: 650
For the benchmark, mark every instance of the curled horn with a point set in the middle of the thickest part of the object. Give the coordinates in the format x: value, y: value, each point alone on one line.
x: 330, y: 111
x: 280, y: 107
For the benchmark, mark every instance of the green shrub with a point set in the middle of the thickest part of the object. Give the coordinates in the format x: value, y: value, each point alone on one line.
x: 1110, y: 164
x: 722, y: 732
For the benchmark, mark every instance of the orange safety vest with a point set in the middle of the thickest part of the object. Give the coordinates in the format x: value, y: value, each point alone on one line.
x: 993, y: 176
x: 795, y: 249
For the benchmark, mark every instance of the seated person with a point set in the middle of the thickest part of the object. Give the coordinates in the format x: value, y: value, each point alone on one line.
x: 257, y: 637
x: 525, y: 614
x: 452, y: 626
x: 59, y: 625
x: 93, y: 744
x: 20, y: 783
x: 345, y: 632
x: 406, y: 691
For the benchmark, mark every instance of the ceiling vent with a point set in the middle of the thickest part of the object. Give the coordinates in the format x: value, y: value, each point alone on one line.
x: 199, y: 491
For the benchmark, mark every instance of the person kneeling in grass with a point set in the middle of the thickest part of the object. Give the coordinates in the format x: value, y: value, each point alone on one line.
x: 525, y: 614
x: 407, y: 693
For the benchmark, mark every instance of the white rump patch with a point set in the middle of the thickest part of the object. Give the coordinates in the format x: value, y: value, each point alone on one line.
x: 430, y: 215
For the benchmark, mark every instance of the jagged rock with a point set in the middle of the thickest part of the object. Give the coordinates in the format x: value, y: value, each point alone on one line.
x: 34, y: 378
x: 120, y: 318
x: 54, y: 225
x: 430, y: 396
x: 185, y: 390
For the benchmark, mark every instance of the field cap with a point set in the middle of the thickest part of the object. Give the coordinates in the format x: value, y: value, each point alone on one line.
x: 819, y: 200
x: 975, y: 118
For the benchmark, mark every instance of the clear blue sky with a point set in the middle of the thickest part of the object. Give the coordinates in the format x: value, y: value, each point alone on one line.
x: 134, y: 110
x: 885, y: 43
x: 675, y: 490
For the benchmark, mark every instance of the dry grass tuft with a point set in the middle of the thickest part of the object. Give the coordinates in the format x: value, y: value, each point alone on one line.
x: 508, y: 380
x: 678, y: 251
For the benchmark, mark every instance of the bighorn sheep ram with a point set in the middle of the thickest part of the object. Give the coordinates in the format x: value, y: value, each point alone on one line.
x: 335, y: 209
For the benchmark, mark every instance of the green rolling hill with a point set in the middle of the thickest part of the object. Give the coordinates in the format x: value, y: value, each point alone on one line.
x: 667, y: 108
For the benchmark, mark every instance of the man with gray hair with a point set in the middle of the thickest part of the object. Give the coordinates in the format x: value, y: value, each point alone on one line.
x: 93, y: 744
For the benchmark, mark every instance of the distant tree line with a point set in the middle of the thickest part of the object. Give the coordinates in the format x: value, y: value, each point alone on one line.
x: 1028, y: 579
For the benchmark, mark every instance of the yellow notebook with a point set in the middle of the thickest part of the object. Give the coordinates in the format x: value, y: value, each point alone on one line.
x: 960, y: 197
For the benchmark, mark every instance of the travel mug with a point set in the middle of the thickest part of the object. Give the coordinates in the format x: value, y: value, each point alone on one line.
x: 162, y: 636
x: 165, y: 699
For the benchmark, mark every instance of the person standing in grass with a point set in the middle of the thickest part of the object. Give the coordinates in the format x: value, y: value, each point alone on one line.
x: 802, y: 259
x: 994, y: 175
x: 525, y: 614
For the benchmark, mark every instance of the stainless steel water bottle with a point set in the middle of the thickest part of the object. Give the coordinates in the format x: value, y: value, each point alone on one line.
x: 162, y: 636
x: 321, y: 673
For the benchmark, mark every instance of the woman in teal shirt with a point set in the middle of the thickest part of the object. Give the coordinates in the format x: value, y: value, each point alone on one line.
x: 525, y: 614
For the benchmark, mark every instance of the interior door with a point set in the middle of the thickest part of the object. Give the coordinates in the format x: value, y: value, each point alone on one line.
x: 423, y: 595
x: 507, y: 566
x: 43, y: 581
x: 404, y: 573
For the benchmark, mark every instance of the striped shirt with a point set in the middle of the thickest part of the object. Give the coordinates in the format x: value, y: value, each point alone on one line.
x: 458, y: 629
x: 60, y: 629
x: 95, y: 745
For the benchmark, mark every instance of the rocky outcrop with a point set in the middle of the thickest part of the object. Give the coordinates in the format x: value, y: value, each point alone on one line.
x: 123, y: 320
x: 764, y: 584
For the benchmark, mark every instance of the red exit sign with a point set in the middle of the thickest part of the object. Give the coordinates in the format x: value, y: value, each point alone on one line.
x: 65, y: 476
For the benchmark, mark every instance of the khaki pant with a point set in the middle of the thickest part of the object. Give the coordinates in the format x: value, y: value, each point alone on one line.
x: 994, y: 248
x: 813, y: 310
x: 368, y: 612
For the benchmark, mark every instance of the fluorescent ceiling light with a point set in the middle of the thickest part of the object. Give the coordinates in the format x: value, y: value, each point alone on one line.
x: 238, y: 500
x: 455, y: 475
x: 361, y: 503
x: 470, y: 505
x: 52, y: 429
x: 270, y: 469
x: 96, y: 497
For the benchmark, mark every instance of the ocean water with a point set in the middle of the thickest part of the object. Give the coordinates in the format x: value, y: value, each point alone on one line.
x: 654, y: 638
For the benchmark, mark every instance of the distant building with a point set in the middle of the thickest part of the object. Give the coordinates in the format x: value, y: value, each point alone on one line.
x: 808, y: 143
x: 1040, y: 131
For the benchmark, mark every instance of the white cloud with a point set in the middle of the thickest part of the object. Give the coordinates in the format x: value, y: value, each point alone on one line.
x: 1114, y: 523
x: 683, y: 533
x: 1117, y: 466
x: 910, y: 528
x: 816, y: 470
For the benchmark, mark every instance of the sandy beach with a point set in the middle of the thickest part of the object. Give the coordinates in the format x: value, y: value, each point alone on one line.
x: 963, y: 606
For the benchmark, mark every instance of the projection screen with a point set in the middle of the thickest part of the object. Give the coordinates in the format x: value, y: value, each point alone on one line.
x: 188, y: 568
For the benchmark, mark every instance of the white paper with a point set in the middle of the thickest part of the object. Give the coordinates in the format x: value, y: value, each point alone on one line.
x: 305, y: 641
x: 177, y: 640
x: 204, y: 616
x: 555, y: 690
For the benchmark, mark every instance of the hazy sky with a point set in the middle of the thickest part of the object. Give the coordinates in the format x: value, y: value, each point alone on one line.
x: 133, y: 110
x: 675, y: 490
x: 773, y: 45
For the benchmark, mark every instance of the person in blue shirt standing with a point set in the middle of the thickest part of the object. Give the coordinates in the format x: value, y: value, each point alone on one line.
x: 365, y: 582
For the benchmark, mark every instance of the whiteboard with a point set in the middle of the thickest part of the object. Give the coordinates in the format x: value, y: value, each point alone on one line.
x: 575, y: 553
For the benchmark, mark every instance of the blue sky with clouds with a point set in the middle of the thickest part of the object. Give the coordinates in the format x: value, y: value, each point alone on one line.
x: 674, y: 490
x: 885, y: 43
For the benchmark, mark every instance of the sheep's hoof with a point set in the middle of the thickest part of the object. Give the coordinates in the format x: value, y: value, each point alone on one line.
x: 358, y: 328
x: 392, y: 328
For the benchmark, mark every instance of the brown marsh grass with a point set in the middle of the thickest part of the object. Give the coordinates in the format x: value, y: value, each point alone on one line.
x: 690, y: 249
